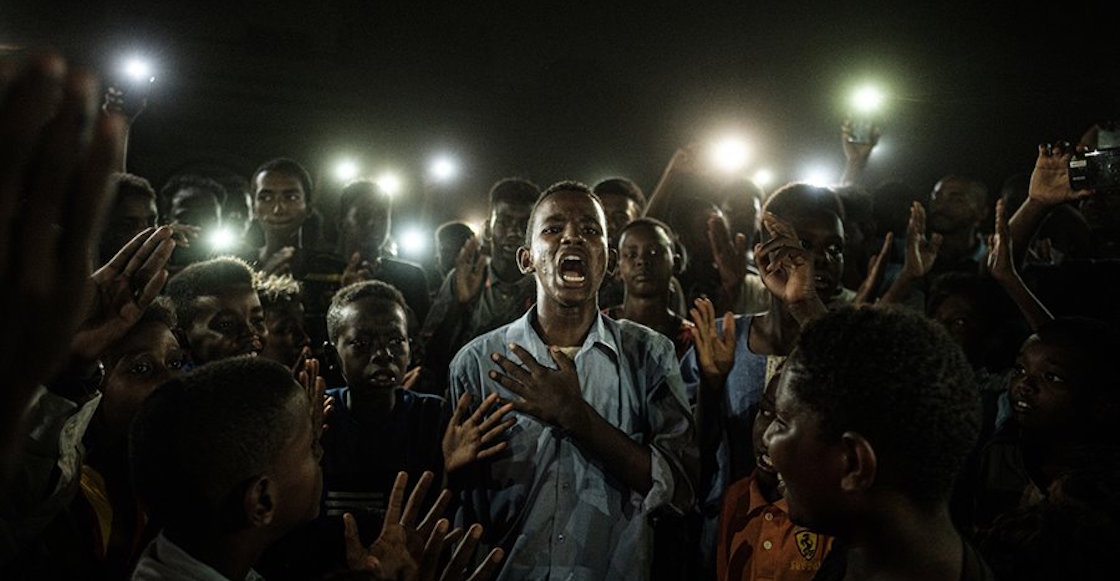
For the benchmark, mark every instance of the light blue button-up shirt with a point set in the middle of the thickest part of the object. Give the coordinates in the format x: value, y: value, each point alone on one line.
x: 558, y: 512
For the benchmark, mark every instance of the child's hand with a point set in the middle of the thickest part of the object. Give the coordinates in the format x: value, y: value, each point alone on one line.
x: 731, y: 258
x: 470, y: 271
x: 1000, y: 264
x: 1049, y: 183
x: 784, y: 265
x: 866, y: 291
x: 715, y: 350
x: 473, y: 438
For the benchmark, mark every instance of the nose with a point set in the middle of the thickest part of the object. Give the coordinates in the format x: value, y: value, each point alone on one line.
x: 571, y: 234
x: 768, y: 435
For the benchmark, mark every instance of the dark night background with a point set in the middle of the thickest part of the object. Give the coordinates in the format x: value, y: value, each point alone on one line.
x: 563, y: 90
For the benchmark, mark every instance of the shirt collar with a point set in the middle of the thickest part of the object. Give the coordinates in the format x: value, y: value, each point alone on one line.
x: 600, y: 336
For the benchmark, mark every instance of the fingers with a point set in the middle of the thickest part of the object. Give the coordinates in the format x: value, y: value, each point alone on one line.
x: 153, y: 256
x: 436, y: 512
x: 778, y: 227
x: 728, y: 328
x: 489, y: 566
x: 151, y: 289
x: 433, y: 548
x: 412, y: 508
x: 512, y: 369
x: 460, y: 409
x: 562, y: 360
x: 467, y: 254
x: 355, y: 552
x: 396, y: 499
x: 463, y: 554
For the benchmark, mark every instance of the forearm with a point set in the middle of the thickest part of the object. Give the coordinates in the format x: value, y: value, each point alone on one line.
x: 1032, y: 309
x: 661, y: 198
x: 899, y: 289
x: 625, y: 459
x: 1023, y: 226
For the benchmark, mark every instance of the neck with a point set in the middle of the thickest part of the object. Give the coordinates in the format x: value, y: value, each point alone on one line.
x: 372, y: 408
x: 906, y: 543
x: 774, y: 332
x: 652, y: 312
x: 958, y: 245
x: 232, y: 555
x: 276, y: 241
x: 564, y: 326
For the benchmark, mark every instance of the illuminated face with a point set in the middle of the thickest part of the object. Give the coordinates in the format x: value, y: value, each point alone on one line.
x: 954, y: 206
x: 286, y: 336
x: 196, y: 208
x: 296, y: 470
x: 279, y: 203
x: 822, y: 234
x: 569, y: 252
x: 1043, y: 388
x: 131, y: 214
x: 148, y: 355
x: 373, y: 347
x: 645, y: 261
x: 365, y: 225
x: 620, y: 211
x: 764, y: 467
x: 226, y: 325
x: 507, y: 233
x: 805, y: 460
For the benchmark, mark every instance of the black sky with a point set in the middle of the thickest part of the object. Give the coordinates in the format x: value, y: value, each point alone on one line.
x: 569, y: 90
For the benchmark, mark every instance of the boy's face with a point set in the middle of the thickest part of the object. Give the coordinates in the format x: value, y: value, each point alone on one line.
x: 226, y: 325
x: 373, y: 346
x: 286, y: 336
x: 1043, y: 387
x: 822, y: 234
x: 645, y: 261
x: 954, y: 207
x: 569, y: 252
x: 958, y: 314
x: 507, y: 231
x: 296, y: 471
x: 764, y: 467
x: 131, y: 214
x: 196, y: 208
x: 279, y: 203
x: 366, y: 225
x: 148, y: 356
x: 620, y: 211
x: 808, y: 464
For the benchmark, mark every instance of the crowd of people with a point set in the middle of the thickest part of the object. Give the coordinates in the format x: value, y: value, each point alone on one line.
x: 711, y: 381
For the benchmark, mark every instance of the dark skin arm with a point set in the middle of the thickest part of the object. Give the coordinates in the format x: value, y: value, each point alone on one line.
x: 1002, y: 268
x: 715, y: 354
x: 1049, y: 187
x: 554, y: 397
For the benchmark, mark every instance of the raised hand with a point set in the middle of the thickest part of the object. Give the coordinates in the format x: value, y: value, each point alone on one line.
x: 865, y: 293
x: 785, y: 266
x: 1049, y: 182
x: 358, y: 270
x: 469, y: 438
x: 315, y: 387
x: 123, y: 288
x: 550, y: 395
x: 715, y: 349
x: 470, y: 271
x: 1000, y: 264
x: 921, y: 252
x: 731, y: 258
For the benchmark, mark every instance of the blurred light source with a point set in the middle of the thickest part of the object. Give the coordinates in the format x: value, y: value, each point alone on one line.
x: 867, y: 99
x: 444, y: 169
x: 222, y: 239
x: 346, y: 170
x: 138, y: 69
x: 729, y: 154
x: 763, y: 178
x: 414, y: 242
x: 818, y: 176
x: 389, y: 183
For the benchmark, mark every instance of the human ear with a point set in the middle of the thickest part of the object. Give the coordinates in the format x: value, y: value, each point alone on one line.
x: 259, y: 501
x: 524, y: 260
x: 860, y: 463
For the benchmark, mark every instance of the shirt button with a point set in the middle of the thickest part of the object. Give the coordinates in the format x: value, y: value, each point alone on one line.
x: 769, y: 516
x: 560, y: 538
x: 767, y: 545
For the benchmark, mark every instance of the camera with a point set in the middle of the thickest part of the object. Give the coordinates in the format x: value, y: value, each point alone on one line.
x: 1095, y: 170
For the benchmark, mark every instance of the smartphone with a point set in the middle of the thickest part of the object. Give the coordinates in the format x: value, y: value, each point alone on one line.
x: 861, y: 131
x: 1095, y: 170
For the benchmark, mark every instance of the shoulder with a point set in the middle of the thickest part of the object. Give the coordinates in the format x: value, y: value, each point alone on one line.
x: 470, y: 354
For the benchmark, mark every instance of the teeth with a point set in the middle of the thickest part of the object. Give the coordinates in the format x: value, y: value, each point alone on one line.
x: 1022, y: 405
x: 572, y: 277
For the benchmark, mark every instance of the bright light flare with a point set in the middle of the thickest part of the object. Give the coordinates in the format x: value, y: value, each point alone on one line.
x: 389, y: 183
x: 346, y: 170
x: 818, y: 176
x: 222, y: 239
x: 763, y: 178
x: 729, y: 154
x: 867, y: 99
x: 138, y: 69
x: 444, y: 169
x: 414, y: 242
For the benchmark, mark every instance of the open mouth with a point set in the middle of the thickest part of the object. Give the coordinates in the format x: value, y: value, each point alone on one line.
x: 573, y: 269
x: 382, y: 378
x: 762, y: 460
x: 1021, y: 406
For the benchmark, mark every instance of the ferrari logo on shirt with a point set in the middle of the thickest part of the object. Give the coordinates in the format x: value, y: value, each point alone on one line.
x: 807, y: 543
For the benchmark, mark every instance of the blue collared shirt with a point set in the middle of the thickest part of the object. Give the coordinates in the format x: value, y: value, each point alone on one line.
x: 558, y: 512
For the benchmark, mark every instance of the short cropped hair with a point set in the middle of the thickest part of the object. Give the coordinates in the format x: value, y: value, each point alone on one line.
x: 206, y: 278
x: 561, y: 186
x: 199, y: 437
x: 899, y: 380
x: 188, y: 181
x: 350, y: 294
x: 622, y: 187
x: 454, y: 230
x: 359, y: 189
x: 130, y: 184
x: 289, y: 167
x: 800, y: 198
x: 276, y: 290
x: 516, y: 191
